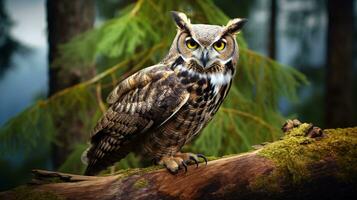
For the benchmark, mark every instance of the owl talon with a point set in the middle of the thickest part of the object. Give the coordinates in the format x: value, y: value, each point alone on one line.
x: 180, y: 160
x: 184, y: 165
x: 203, y: 157
x: 194, y: 160
x: 191, y: 157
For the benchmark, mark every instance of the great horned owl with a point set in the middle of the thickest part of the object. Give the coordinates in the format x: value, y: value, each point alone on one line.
x: 159, y: 109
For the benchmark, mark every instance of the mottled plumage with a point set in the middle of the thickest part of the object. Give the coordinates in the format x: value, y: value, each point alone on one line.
x: 160, y: 108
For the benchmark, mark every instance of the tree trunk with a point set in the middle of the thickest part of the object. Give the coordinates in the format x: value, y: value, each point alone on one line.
x: 272, y: 30
x: 66, y: 19
x: 339, y: 78
x: 296, y: 167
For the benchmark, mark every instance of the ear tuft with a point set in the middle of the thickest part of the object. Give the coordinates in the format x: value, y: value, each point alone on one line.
x: 235, y: 25
x: 181, y: 20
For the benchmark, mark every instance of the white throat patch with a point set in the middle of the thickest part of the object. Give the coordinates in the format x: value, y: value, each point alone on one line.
x: 216, y: 79
x: 220, y: 78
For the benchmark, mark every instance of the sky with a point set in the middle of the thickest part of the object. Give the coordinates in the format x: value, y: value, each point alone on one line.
x: 28, y: 78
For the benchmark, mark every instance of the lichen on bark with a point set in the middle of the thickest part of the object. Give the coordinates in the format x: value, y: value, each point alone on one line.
x: 141, y: 183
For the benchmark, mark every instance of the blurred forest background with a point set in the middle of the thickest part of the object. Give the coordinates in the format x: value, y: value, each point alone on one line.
x: 59, y: 60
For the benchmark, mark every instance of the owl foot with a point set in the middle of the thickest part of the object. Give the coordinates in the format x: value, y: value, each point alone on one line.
x: 191, y: 157
x: 174, y: 163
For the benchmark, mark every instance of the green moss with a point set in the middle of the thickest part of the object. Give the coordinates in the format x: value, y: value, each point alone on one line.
x: 299, y: 131
x: 131, y: 171
x: 211, y: 158
x: 27, y: 193
x: 141, y: 183
x: 295, y: 154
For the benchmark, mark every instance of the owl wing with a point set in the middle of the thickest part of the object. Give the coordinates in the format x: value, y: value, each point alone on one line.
x: 141, y: 102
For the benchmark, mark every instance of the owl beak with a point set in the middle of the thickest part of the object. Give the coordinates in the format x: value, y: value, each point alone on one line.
x: 204, y: 58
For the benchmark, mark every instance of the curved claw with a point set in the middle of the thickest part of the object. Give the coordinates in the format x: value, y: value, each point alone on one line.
x: 194, y: 160
x: 203, y: 157
x: 184, y: 165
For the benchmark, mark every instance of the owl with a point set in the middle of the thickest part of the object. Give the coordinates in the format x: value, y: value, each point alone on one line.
x: 159, y: 109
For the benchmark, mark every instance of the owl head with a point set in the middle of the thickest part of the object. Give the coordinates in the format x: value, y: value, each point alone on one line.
x: 206, y: 48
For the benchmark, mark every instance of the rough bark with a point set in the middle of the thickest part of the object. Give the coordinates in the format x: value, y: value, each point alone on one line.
x: 339, y: 77
x: 66, y: 19
x: 272, y: 29
x: 296, y: 167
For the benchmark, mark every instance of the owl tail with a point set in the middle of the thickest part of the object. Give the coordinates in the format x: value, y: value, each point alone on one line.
x: 85, y: 160
x: 91, y: 169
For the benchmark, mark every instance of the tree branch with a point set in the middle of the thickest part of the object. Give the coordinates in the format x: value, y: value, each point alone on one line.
x: 296, y: 167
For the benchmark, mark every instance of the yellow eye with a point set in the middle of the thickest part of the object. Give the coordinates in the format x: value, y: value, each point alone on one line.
x: 191, y: 44
x: 219, y: 45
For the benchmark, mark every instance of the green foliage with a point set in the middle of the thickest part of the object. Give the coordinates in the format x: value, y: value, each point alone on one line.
x: 137, y: 28
x: 36, y: 125
x: 139, y: 37
x: 73, y: 164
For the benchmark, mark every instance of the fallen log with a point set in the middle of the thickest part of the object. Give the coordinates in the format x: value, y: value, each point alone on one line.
x: 306, y: 163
